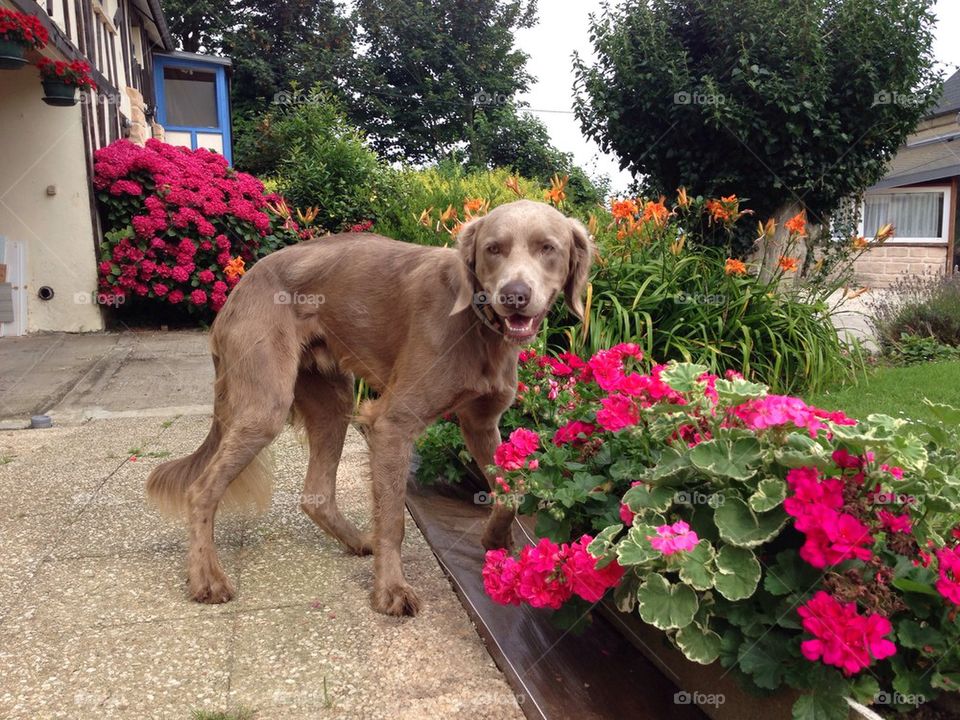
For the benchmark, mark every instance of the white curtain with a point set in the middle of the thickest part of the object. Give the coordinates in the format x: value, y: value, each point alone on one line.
x: 914, y: 215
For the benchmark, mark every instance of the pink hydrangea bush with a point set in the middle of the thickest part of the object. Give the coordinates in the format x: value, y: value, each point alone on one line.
x: 181, y: 226
x: 796, y: 545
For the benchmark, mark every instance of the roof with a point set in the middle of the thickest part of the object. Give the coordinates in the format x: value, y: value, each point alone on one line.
x: 155, y: 23
x: 197, y: 57
x: 950, y: 98
x: 929, y: 160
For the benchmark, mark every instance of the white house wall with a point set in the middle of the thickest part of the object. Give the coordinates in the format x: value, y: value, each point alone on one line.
x: 44, y: 147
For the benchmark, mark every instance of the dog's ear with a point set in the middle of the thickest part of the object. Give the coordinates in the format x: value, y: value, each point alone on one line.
x: 466, y: 270
x: 581, y: 258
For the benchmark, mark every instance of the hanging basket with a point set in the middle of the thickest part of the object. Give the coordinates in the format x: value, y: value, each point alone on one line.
x: 59, y: 94
x: 12, y: 55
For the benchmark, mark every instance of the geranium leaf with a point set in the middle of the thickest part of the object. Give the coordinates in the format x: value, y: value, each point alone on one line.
x: 701, y: 645
x: 644, y: 497
x: 770, y: 493
x: 697, y: 568
x: 735, y: 459
x: 683, y: 377
x: 738, y: 572
x: 738, y: 391
x: 635, y: 549
x: 665, y: 605
x: 741, y: 526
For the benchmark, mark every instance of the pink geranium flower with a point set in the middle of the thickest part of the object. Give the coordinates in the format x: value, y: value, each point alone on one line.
x: 674, y: 538
x: 948, y: 584
x: 842, y: 637
x: 512, y: 454
x: 617, y: 413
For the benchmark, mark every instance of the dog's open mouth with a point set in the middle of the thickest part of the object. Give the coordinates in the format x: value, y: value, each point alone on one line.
x: 521, y: 328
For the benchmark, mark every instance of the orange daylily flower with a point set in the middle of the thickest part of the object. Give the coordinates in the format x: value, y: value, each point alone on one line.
x: 449, y: 214
x: 426, y: 217
x: 682, y: 199
x: 884, y: 233
x: 513, y: 184
x: 235, y: 268
x: 798, y: 223
x: 717, y: 211
x: 623, y: 209
x: 788, y: 264
x: 280, y: 208
x: 735, y: 267
x: 308, y: 215
x: 474, y: 205
x: 859, y: 243
x: 556, y: 195
x: 676, y: 247
x: 656, y: 211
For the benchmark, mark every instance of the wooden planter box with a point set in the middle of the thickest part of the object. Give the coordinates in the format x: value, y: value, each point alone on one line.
x: 706, y: 684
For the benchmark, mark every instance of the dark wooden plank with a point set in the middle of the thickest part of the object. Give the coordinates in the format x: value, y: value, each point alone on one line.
x: 594, y: 676
x: 86, y: 114
x: 66, y: 19
x: 50, y: 8
x: 124, y: 42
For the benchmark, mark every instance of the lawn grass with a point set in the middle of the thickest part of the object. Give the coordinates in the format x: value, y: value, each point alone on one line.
x: 895, y: 390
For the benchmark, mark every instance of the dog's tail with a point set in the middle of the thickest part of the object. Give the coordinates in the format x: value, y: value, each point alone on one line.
x: 167, y: 484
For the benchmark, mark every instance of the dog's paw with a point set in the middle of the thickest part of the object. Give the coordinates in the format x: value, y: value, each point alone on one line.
x: 397, y: 600
x: 363, y: 547
x: 212, y: 591
x: 498, y: 540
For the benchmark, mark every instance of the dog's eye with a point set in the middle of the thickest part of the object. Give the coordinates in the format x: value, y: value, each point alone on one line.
x: 493, y: 249
x: 548, y: 248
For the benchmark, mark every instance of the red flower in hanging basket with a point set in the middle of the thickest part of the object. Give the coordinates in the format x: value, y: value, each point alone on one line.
x: 72, y: 73
x: 22, y: 28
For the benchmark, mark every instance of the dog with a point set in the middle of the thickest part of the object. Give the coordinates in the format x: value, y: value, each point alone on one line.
x: 432, y: 330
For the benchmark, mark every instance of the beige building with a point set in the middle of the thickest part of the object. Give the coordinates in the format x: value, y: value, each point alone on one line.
x: 919, y: 197
x: 49, y: 225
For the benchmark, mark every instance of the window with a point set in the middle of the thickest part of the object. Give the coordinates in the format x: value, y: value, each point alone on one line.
x: 190, y: 96
x: 919, y: 215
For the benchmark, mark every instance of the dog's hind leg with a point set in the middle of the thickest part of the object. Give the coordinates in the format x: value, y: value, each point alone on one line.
x: 324, y: 403
x: 252, y: 407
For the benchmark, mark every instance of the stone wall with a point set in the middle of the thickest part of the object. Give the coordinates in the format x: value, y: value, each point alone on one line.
x: 879, y: 267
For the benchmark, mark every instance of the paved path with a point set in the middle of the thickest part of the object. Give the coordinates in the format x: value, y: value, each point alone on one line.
x: 94, y: 620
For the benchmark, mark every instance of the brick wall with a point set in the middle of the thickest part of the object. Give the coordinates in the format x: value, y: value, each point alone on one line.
x: 881, y: 266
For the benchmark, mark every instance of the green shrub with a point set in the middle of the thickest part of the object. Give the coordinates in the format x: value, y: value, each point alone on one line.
x: 921, y: 306
x: 413, y: 212
x: 316, y: 158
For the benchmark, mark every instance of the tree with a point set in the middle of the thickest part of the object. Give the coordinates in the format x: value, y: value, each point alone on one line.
x: 271, y: 42
x: 506, y: 136
x: 785, y: 102
x: 428, y: 65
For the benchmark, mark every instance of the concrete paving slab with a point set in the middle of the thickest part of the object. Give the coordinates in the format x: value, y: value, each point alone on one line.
x: 138, y: 670
x: 94, y: 616
x: 142, y: 588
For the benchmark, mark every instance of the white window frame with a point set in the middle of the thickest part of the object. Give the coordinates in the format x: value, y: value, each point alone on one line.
x: 947, y: 203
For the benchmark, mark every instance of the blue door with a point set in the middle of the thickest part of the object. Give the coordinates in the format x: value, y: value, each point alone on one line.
x: 193, y: 101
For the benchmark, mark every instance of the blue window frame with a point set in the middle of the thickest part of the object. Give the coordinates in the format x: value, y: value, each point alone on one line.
x: 201, y: 120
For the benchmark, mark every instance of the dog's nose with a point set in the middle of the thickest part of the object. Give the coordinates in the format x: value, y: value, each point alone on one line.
x: 515, y: 295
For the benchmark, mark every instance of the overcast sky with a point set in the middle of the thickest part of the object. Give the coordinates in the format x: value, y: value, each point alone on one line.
x: 563, y: 28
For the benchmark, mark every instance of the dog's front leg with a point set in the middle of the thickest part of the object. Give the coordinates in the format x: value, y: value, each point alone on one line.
x: 479, y: 424
x: 391, y: 445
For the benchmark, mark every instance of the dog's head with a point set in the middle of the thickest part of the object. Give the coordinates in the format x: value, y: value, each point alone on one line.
x: 518, y: 258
